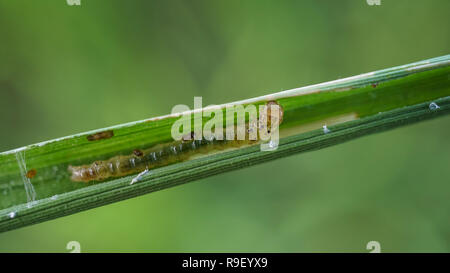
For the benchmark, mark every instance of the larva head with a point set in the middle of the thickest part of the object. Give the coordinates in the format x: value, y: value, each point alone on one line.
x: 274, y: 117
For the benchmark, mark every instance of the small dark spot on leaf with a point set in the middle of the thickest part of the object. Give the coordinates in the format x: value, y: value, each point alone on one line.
x: 374, y: 85
x: 31, y: 173
x: 101, y: 135
x: 138, y: 152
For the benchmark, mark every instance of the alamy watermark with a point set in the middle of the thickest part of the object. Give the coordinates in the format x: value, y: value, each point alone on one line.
x: 241, y: 123
x: 74, y: 2
x: 74, y: 247
x: 374, y: 246
x: 373, y: 2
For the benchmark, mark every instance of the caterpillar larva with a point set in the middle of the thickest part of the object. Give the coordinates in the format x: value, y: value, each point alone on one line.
x: 161, y: 155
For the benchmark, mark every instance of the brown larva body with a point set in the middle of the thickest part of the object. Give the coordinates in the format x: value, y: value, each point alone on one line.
x: 158, y: 156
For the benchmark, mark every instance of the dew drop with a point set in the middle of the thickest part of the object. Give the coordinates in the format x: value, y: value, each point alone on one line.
x: 433, y: 106
x: 325, y: 129
x: 12, y: 214
x: 54, y: 197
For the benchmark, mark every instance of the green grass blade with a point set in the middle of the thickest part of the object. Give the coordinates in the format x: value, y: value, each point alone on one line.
x: 351, y: 107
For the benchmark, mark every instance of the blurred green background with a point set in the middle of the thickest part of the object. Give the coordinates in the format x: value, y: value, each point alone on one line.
x: 68, y: 69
